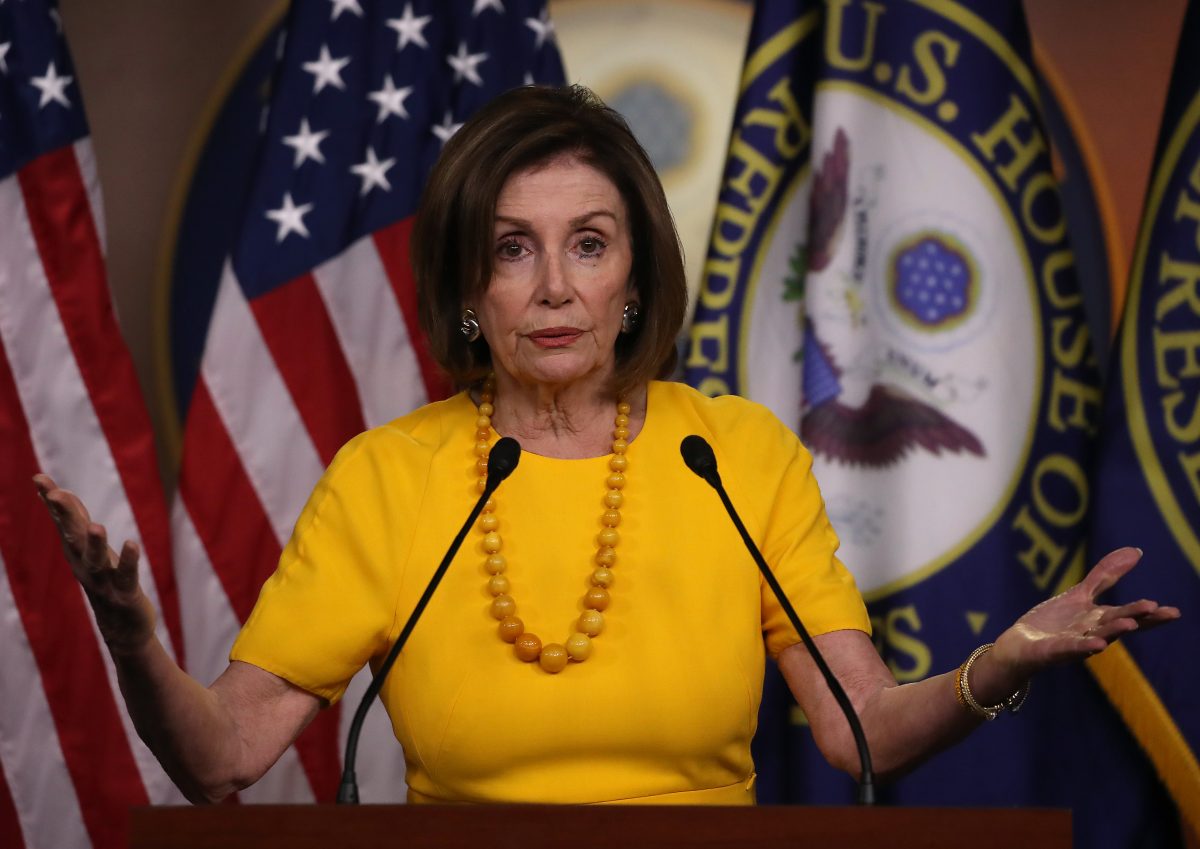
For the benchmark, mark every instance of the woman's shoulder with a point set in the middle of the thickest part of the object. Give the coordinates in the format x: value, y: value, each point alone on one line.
x: 727, y: 418
x: 413, y: 438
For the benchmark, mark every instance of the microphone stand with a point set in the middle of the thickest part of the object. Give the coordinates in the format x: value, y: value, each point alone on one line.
x: 699, y: 457
x: 502, y: 460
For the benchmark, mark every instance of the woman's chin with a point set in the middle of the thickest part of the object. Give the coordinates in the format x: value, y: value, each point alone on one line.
x: 559, y: 369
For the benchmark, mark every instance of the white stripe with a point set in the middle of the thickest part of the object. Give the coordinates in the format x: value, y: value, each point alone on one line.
x: 33, y: 762
x: 371, y: 329
x: 209, y: 628
x: 257, y: 410
x: 64, y: 429
x: 379, y: 764
x: 86, y: 158
x: 284, y: 783
x: 209, y: 623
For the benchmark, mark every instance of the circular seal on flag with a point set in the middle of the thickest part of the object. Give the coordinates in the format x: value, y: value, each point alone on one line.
x: 890, y: 271
x: 918, y: 382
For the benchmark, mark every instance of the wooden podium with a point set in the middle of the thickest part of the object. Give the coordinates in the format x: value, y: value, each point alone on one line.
x: 596, y: 827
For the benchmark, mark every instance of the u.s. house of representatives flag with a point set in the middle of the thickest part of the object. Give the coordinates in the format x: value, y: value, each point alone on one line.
x: 889, y: 272
x: 1148, y: 478
x: 71, y: 764
x: 313, y: 336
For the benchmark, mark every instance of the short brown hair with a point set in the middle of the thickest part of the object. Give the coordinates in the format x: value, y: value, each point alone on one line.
x: 451, y: 244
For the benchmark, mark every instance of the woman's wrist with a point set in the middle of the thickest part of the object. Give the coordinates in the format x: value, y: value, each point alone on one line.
x: 126, y: 631
x: 986, y: 685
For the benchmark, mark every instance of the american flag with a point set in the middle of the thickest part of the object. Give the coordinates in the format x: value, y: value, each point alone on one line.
x: 70, y: 405
x: 313, y: 336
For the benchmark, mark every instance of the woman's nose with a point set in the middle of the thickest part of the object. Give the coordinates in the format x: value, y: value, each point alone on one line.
x: 553, y: 287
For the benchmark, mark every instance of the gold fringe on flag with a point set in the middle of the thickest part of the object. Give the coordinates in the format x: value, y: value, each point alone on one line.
x: 1153, y: 727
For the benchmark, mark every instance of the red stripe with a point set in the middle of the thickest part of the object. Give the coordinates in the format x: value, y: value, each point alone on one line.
x: 301, y: 337
x: 229, y: 518
x: 241, y: 545
x: 60, y: 215
x: 10, y: 826
x: 318, y: 751
x: 56, y: 621
x: 392, y: 244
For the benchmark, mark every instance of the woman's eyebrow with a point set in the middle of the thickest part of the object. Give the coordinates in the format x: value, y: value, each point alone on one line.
x: 577, y: 221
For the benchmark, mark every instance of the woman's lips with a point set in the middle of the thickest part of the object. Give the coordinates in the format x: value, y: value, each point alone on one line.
x: 555, y: 337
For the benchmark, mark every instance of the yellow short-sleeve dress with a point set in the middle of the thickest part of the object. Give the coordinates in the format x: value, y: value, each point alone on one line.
x: 664, y: 709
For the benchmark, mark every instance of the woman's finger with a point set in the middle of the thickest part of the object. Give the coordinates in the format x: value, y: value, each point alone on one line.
x: 68, y: 513
x: 44, y: 483
x: 95, y: 550
x: 1112, y: 630
x: 1158, y: 616
x: 1111, y: 568
x: 1132, y: 610
x: 126, y: 577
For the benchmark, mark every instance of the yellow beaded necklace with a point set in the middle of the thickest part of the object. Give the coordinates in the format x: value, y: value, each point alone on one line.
x: 552, y: 657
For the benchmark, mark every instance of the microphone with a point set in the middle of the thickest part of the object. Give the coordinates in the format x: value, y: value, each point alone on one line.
x: 699, y: 457
x: 502, y: 460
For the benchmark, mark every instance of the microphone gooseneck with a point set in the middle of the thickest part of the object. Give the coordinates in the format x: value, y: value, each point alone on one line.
x: 699, y: 457
x: 502, y: 460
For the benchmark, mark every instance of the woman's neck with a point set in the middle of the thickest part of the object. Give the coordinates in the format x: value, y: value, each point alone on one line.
x: 569, y: 421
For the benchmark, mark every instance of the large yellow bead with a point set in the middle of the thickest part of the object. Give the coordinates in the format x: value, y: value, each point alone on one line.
x: 611, y: 518
x: 492, y: 542
x: 609, y: 537
x: 483, y: 422
x: 620, y: 433
x: 591, y: 622
x: 622, y: 420
x: 481, y: 485
x: 579, y: 646
x: 606, y: 557
x: 553, y: 657
x: 527, y: 647
x: 486, y: 409
x: 503, y: 606
x: 619, y: 446
x: 488, y: 522
x: 597, y: 598
x: 616, y: 481
x: 481, y: 448
x: 483, y: 435
x: 618, y: 463
x: 495, y: 564
x: 481, y: 466
x: 613, y: 499
x: 499, y: 585
x: 602, y: 577
x: 510, y: 628
x: 623, y: 408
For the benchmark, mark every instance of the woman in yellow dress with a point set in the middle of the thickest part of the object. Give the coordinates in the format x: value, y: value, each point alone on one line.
x: 601, y: 636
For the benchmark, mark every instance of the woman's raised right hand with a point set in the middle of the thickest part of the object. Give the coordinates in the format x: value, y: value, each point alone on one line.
x: 124, y: 614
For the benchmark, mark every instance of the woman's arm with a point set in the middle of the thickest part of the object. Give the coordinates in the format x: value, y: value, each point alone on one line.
x: 905, y: 724
x: 216, y: 740
x: 211, y: 741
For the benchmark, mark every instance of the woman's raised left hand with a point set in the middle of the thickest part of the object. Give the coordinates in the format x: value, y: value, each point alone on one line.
x: 1073, y: 626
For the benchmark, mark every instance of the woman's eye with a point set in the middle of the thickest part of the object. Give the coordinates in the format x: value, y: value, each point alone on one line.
x: 590, y: 246
x: 511, y: 250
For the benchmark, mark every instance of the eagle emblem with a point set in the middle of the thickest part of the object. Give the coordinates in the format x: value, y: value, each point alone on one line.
x: 931, y: 283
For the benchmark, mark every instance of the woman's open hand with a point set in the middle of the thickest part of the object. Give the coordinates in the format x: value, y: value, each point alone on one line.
x: 1073, y: 625
x: 124, y: 614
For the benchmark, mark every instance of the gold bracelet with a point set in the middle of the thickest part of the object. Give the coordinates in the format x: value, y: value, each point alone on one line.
x: 962, y: 690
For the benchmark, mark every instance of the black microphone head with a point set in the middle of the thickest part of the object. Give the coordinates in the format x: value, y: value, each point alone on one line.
x: 698, y: 455
x: 502, y: 459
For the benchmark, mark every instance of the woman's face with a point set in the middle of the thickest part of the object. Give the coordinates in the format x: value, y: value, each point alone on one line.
x: 561, y: 274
